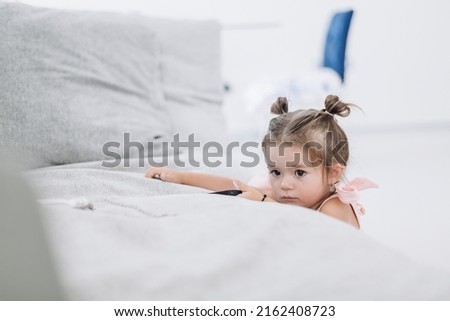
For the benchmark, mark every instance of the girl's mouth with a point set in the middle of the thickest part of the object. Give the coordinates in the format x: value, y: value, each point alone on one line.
x: 288, y: 199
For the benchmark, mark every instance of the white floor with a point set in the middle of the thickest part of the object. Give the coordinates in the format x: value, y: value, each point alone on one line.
x: 409, y: 211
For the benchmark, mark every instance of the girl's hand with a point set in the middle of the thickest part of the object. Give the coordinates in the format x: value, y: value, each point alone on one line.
x: 249, y: 192
x: 165, y: 174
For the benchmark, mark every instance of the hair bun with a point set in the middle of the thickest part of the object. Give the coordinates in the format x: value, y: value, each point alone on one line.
x: 334, y: 106
x: 280, y: 106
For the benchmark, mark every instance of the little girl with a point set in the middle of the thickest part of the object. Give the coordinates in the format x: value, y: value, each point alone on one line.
x: 306, y: 152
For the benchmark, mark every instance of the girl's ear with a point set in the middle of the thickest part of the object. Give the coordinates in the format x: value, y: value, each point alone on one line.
x: 335, y: 173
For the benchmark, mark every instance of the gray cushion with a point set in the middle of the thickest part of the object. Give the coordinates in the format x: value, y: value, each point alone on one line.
x: 72, y: 81
x: 191, y: 74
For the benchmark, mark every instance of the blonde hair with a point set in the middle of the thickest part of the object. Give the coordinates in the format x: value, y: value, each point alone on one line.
x: 319, y: 128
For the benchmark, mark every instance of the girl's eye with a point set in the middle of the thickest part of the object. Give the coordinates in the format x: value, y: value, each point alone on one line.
x: 300, y: 173
x: 275, y: 172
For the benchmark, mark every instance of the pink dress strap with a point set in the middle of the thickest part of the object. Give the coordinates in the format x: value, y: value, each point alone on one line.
x: 349, y: 193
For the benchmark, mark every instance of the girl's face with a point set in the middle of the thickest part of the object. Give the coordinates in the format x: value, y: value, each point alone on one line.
x: 292, y: 181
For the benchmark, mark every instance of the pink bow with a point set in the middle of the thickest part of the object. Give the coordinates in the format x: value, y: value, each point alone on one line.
x: 349, y: 193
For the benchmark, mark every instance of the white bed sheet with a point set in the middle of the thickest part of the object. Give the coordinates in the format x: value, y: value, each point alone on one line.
x: 150, y: 240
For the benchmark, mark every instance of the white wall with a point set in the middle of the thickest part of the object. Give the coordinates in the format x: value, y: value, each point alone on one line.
x: 398, y: 65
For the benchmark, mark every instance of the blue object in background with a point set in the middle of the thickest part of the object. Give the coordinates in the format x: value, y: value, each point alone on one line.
x: 334, y: 54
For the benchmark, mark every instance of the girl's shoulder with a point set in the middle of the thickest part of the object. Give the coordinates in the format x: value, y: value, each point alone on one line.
x: 334, y: 207
x: 344, y: 203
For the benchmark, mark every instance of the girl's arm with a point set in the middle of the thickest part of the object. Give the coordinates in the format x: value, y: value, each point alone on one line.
x: 207, y: 181
x: 254, y: 194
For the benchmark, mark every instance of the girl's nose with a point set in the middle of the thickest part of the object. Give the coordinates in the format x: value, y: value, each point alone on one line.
x: 286, y: 184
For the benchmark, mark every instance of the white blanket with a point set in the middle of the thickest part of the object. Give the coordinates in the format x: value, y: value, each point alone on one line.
x: 150, y: 240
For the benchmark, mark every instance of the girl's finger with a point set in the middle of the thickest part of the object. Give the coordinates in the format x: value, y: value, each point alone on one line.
x: 150, y: 173
x: 154, y: 173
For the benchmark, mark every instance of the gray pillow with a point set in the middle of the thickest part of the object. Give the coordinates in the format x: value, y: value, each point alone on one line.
x: 191, y: 75
x: 72, y: 81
